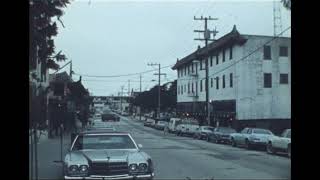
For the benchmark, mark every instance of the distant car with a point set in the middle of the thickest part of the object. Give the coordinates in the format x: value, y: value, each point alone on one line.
x: 106, y: 155
x: 110, y: 117
x: 161, y: 124
x: 250, y: 137
x: 149, y: 122
x: 280, y: 143
x: 187, y: 127
x: 97, y: 116
x: 203, y: 132
x: 173, y: 123
x: 221, y: 134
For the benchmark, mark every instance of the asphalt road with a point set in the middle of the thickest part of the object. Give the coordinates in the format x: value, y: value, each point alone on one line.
x: 183, y: 157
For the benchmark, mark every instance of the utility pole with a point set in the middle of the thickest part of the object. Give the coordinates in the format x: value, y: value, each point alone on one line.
x: 129, y: 87
x: 121, y: 99
x: 206, y: 33
x: 71, y: 69
x: 140, y: 106
x: 159, y: 83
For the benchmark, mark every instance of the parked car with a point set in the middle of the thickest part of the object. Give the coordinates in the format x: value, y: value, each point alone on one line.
x: 221, y: 134
x: 149, y: 122
x: 106, y: 155
x: 161, y: 124
x: 173, y: 123
x: 187, y: 127
x: 280, y: 143
x: 203, y: 132
x: 250, y: 137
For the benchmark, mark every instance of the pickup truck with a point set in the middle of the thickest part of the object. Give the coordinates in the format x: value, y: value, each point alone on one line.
x: 280, y: 143
x: 187, y: 127
x: 250, y: 137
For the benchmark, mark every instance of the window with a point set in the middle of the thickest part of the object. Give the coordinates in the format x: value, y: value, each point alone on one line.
x: 283, y: 78
x: 267, y: 52
x: 201, y: 65
x: 185, y: 70
x: 185, y: 88
x: 192, y: 67
x: 231, y: 80
x: 267, y: 80
x: 283, y: 51
x: 188, y: 69
x: 223, y: 81
x: 223, y: 55
x: 217, y: 82
x: 244, y: 131
x: 192, y: 88
x: 217, y: 59
x: 211, y: 82
x: 249, y: 131
x: 205, y: 85
x: 178, y: 73
x: 178, y: 89
x: 200, y: 85
x: 196, y: 67
x: 230, y: 53
x: 181, y: 89
x: 210, y: 61
x: 189, y: 88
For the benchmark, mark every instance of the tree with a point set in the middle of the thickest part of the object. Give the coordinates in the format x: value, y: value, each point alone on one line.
x: 41, y: 31
x: 286, y: 4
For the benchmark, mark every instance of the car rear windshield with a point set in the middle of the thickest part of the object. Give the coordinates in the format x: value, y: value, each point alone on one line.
x: 261, y: 131
x: 103, y: 142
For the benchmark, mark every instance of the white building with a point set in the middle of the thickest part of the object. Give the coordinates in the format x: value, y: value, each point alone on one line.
x: 249, y: 81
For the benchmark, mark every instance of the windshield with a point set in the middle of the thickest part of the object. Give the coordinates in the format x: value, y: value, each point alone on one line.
x: 103, y: 142
x: 262, y: 131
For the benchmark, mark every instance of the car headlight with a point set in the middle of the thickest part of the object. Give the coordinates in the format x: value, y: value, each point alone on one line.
x: 143, y: 167
x: 133, y: 167
x: 73, y: 168
x: 83, y: 168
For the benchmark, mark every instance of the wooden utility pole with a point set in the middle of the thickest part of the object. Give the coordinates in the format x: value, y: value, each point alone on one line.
x: 206, y: 33
x: 159, y: 83
x: 140, y: 94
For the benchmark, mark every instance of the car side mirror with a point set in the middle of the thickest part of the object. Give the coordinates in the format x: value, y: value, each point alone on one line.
x: 140, y: 145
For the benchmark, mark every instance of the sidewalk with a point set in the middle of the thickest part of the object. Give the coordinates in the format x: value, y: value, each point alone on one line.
x: 48, y: 153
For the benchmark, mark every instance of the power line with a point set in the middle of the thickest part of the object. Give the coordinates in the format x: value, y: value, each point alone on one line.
x: 122, y: 75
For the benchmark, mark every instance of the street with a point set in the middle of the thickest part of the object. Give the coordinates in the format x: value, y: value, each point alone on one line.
x: 181, y: 157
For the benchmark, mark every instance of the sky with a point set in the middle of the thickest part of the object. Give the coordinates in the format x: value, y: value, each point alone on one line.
x: 111, y: 38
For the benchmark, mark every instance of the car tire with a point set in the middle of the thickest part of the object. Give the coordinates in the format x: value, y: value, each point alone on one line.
x: 248, y: 146
x: 289, y: 150
x: 270, y: 149
x: 233, y: 143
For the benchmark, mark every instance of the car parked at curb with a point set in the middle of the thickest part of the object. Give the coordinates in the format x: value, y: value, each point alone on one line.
x: 280, y: 143
x: 251, y: 137
x: 187, y: 127
x: 106, y: 155
x: 160, y: 125
x: 203, y: 132
x: 221, y: 134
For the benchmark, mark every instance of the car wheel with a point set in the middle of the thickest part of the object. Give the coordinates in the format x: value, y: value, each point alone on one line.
x: 289, y: 151
x: 270, y: 149
x: 248, y: 146
x: 233, y: 143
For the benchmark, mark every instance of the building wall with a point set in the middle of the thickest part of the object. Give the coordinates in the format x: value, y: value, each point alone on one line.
x: 253, y: 100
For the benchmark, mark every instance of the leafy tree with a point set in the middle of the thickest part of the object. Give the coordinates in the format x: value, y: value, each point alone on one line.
x: 41, y: 31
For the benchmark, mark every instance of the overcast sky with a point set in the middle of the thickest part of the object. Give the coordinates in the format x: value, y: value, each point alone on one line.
x: 106, y: 38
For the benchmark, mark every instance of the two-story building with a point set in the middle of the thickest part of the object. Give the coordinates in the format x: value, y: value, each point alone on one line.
x: 249, y: 81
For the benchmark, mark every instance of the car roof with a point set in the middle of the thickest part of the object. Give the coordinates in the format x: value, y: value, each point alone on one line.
x: 103, y: 132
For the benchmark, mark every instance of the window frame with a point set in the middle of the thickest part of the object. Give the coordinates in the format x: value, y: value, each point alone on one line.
x: 287, y: 78
x: 286, y: 52
x: 265, y: 85
x: 265, y: 57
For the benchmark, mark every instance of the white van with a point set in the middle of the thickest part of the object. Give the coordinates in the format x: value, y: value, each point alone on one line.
x: 173, y: 123
x: 187, y: 127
